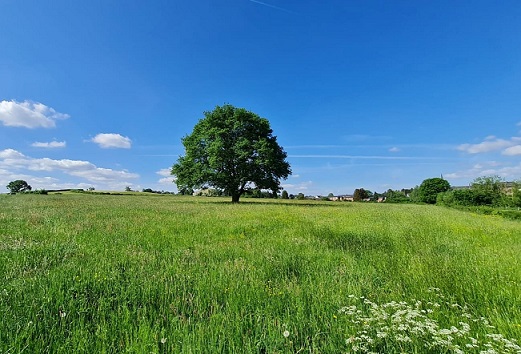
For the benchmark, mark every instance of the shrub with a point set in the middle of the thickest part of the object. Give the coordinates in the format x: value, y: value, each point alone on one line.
x: 396, y: 197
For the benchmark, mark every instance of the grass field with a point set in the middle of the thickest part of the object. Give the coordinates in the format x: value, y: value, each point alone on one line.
x: 163, y: 274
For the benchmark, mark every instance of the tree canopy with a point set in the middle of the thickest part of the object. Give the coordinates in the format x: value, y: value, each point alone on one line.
x: 18, y: 186
x: 234, y: 150
x: 360, y: 194
x: 429, y: 189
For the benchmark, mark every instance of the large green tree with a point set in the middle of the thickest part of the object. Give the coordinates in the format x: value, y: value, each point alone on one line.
x: 488, y: 190
x: 429, y: 189
x: 234, y: 150
x: 18, y: 186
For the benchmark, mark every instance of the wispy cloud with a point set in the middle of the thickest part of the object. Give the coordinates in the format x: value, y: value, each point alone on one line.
x: 50, y: 145
x: 107, y: 141
x: 394, y: 149
x: 382, y: 146
x: 29, y: 114
x: 273, y: 6
x: 364, y: 137
x: 363, y: 157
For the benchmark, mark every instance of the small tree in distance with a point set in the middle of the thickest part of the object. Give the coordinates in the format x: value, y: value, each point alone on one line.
x: 18, y: 186
x: 360, y: 194
x: 234, y: 150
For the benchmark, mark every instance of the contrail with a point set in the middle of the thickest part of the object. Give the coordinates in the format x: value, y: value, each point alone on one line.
x: 272, y: 6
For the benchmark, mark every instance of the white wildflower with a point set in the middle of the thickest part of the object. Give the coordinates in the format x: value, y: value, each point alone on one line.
x: 403, y: 338
x: 381, y: 334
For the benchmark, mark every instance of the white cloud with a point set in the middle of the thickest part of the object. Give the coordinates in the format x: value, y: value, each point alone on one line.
x: 11, y: 154
x: 98, y: 174
x: 29, y: 114
x: 46, y: 164
x: 50, y: 145
x: 304, y: 186
x: 107, y: 141
x: 165, y: 172
x: 166, y: 180
x: 394, y: 149
x: 13, y: 161
x: 486, y: 164
x: 167, y: 176
x: 490, y: 168
x: 491, y: 143
x: 512, y: 151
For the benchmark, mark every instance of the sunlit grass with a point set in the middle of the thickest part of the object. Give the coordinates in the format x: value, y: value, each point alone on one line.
x: 101, y: 273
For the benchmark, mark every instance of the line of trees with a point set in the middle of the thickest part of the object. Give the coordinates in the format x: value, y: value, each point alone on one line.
x: 484, y: 191
x: 491, y: 191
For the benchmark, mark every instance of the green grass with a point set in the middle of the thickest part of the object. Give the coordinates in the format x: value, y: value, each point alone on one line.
x: 164, y: 274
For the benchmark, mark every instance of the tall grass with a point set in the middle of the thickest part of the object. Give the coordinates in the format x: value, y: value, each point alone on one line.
x: 163, y: 274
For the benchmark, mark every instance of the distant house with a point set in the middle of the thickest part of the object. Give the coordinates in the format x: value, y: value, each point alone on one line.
x: 343, y: 198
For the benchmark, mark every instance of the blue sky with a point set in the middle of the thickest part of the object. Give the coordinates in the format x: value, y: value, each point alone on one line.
x: 372, y: 94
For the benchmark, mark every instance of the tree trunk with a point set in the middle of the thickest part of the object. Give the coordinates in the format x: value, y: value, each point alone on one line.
x: 235, y: 197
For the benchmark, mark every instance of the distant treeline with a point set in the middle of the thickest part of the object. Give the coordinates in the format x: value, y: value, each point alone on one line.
x: 489, y: 195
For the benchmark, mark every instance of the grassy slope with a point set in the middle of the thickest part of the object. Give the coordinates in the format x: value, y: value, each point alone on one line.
x: 110, y: 273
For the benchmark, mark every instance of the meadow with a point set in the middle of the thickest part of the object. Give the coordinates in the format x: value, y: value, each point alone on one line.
x: 144, y: 273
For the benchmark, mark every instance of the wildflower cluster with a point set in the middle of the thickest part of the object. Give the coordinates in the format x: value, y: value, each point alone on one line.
x: 410, y: 327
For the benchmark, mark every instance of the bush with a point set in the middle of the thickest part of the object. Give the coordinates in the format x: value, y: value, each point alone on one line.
x: 37, y: 191
x: 396, y: 197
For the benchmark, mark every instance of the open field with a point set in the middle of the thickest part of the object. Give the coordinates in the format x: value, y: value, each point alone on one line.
x: 164, y: 274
